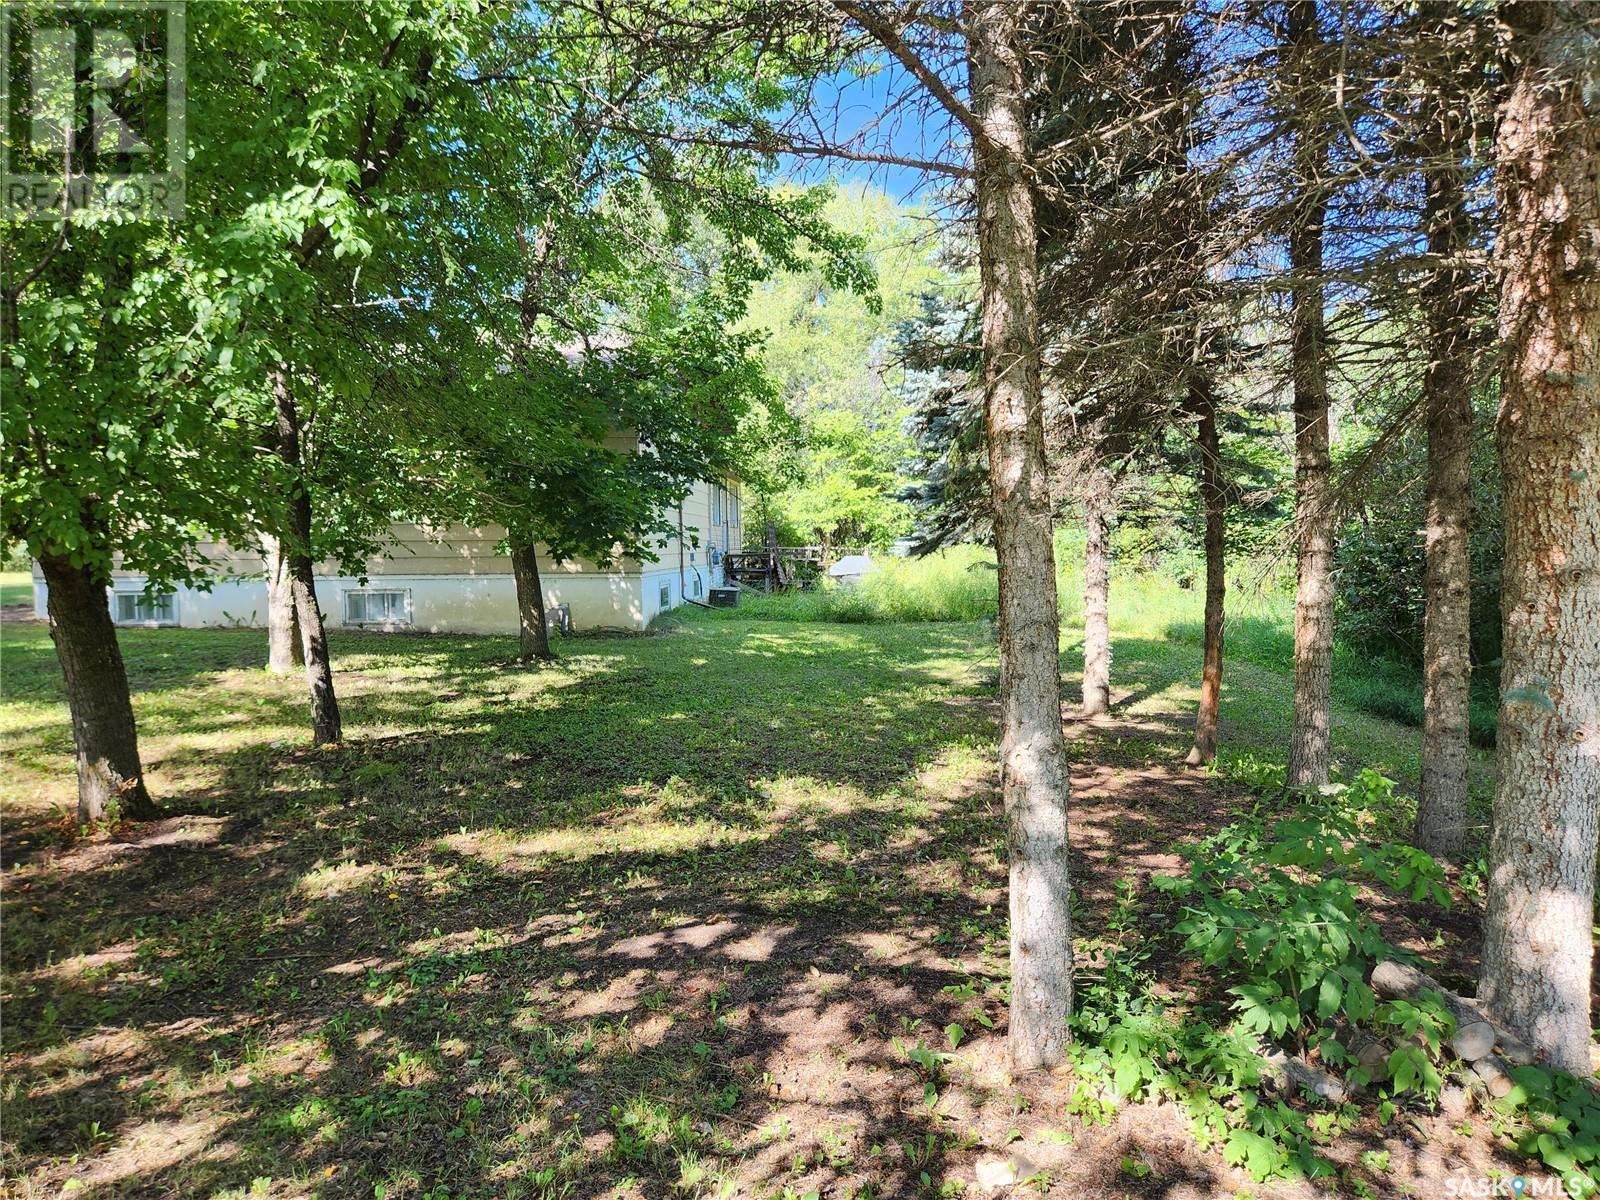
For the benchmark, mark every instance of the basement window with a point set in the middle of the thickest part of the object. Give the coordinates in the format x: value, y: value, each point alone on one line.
x: 139, y: 608
x: 375, y: 606
x: 666, y: 595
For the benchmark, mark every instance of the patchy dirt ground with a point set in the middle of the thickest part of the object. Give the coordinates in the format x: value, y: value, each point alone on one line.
x: 669, y: 919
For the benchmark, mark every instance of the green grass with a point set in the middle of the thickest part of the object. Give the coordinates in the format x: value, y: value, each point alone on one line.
x: 639, y: 923
x: 1373, y: 683
x: 440, y: 960
x: 961, y: 585
x: 16, y: 587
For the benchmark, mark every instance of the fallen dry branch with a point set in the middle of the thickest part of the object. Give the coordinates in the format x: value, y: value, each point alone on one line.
x: 1477, y: 1034
x: 1286, y: 1070
x: 1495, y: 1073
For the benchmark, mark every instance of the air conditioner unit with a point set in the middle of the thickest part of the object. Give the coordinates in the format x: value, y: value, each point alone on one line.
x: 725, y: 597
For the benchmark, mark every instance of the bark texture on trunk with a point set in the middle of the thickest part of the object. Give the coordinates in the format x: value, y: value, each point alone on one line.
x: 1214, y: 494
x: 97, y: 693
x: 1097, y: 592
x: 284, y: 653
x: 1446, y: 621
x: 1033, y: 763
x: 326, y: 727
x: 1314, y: 520
x: 530, y: 604
x: 1537, y: 948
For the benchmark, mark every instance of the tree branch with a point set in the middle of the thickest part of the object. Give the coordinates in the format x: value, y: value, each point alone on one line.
x: 775, y: 143
x: 887, y: 36
x: 314, y: 238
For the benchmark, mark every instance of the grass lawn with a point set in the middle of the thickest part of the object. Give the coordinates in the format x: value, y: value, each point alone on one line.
x: 667, y: 918
x: 16, y: 587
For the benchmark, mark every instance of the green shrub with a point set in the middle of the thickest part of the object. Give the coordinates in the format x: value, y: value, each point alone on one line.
x: 1270, y: 905
x: 1278, y: 904
x: 1559, y: 1117
x: 1380, y: 560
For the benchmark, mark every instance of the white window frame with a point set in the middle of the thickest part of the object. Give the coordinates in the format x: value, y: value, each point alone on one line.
x: 666, y: 595
x: 161, y: 602
x: 382, y: 623
x: 716, y: 504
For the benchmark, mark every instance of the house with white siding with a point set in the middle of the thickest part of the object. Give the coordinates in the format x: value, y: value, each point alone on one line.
x: 452, y: 580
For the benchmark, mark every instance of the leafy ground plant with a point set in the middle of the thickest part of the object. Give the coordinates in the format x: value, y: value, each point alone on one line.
x: 1275, y: 900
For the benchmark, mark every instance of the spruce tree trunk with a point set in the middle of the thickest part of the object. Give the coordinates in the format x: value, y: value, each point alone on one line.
x: 284, y: 653
x: 326, y: 727
x: 1033, y: 764
x: 530, y: 604
x: 1446, y: 621
x: 1214, y: 496
x: 1537, y: 948
x: 1314, y: 518
x: 97, y: 693
x: 1097, y: 593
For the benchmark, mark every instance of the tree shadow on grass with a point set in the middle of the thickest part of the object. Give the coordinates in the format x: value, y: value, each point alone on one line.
x: 750, y: 1009
x: 543, y: 975
x: 679, y: 911
x: 676, y: 913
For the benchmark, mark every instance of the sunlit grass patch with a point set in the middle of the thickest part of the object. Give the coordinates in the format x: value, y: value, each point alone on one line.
x: 508, y: 850
x: 338, y: 879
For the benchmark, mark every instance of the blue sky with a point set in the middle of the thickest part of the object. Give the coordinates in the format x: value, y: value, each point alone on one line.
x: 847, y: 105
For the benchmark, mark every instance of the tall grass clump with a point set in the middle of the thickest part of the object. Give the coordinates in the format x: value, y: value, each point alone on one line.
x: 958, y: 584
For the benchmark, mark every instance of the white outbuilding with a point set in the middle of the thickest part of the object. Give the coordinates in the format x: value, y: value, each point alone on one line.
x: 851, y: 568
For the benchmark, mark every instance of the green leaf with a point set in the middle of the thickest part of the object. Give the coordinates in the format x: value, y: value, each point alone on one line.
x: 1329, y: 995
x: 1359, y: 1004
x: 1555, y: 1154
x: 1125, y: 1078
x: 1257, y: 1154
x: 1403, y: 1067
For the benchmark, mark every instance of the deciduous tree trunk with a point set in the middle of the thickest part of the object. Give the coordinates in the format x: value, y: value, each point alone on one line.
x: 326, y: 726
x: 1033, y: 764
x: 284, y: 653
x: 1537, y: 948
x: 1446, y: 621
x: 1314, y: 518
x: 530, y: 604
x: 97, y: 693
x: 1097, y: 592
x: 1214, y: 495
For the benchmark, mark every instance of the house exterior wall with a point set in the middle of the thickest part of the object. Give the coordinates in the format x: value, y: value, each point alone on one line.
x: 712, y: 526
x: 453, y: 582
